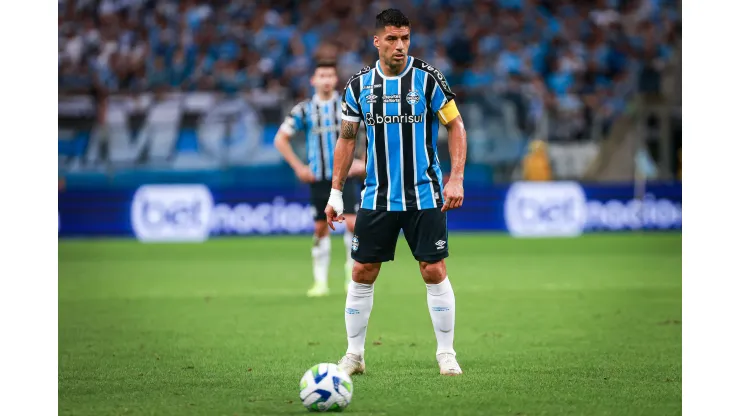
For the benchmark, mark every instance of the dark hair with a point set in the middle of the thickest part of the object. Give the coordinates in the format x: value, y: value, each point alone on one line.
x: 325, y: 64
x: 391, y: 17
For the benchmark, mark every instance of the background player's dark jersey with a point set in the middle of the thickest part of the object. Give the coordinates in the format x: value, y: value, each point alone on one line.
x: 400, y: 114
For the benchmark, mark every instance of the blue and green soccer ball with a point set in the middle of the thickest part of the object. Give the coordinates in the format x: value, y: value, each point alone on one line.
x: 326, y: 388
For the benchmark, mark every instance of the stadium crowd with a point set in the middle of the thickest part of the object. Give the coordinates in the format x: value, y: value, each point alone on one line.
x: 581, y: 58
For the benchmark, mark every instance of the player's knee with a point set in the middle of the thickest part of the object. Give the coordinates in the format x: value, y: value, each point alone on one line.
x: 321, y: 229
x: 365, y: 273
x: 433, y: 273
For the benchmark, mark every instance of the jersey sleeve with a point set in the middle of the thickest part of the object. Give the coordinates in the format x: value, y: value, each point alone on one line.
x: 442, y: 93
x: 294, y: 121
x: 350, y: 108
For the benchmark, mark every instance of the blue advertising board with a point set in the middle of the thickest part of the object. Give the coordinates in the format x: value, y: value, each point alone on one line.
x: 195, y: 212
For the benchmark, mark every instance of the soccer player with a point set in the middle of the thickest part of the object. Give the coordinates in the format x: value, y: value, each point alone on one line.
x: 319, y: 118
x: 401, y: 99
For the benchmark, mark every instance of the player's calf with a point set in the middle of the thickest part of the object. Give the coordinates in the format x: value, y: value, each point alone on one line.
x: 441, y: 302
x: 321, y: 254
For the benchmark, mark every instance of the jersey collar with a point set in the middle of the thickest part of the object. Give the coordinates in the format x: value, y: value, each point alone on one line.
x: 409, y: 61
x: 318, y: 100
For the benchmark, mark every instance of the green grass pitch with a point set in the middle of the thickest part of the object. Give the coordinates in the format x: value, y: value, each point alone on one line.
x: 588, y: 326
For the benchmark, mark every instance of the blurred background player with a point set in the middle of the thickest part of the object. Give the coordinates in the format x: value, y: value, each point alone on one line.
x: 401, y: 99
x: 319, y: 118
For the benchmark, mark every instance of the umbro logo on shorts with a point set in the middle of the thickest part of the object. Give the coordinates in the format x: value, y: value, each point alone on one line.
x: 440, y: 244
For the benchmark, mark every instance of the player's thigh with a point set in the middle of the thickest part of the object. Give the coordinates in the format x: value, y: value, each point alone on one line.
x: 319, y: 198
x: 426, y: 233
x: 350, y: 220
x: 375, y: 237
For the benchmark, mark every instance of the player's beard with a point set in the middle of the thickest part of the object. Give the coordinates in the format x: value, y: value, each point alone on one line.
x: 396, y: 65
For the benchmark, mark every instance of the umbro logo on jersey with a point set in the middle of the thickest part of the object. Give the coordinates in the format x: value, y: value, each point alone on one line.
x: 370, y: 98
x: 440, y: 244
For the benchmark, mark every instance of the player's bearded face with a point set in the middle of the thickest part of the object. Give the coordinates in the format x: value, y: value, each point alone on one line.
x: 393, y: 45
x: 324, y: 79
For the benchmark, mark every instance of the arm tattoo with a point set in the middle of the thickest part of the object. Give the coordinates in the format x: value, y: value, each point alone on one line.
x: 348, y: 130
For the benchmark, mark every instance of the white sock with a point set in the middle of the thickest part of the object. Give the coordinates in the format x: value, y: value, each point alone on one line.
x: 348, y: 245
x: 356, y: 315
x: 441, y: 301
x: 321, y: 252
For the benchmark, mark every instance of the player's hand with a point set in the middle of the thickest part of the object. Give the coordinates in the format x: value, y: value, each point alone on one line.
x: 334, y: 208
x: 453, y: 194
x: 357, y: 168
x: 304, y: 174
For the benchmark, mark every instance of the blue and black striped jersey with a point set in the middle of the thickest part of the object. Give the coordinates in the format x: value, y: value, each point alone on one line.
x: 400, y: 114
x: 320, y: 120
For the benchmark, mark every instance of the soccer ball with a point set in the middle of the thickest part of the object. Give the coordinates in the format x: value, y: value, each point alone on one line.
x: 326, y: 388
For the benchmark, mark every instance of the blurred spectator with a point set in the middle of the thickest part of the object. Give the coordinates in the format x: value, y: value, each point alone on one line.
x: 158, y: 75
x: 536, y: 164
x: 577, y: 60
x: 180, y: 69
